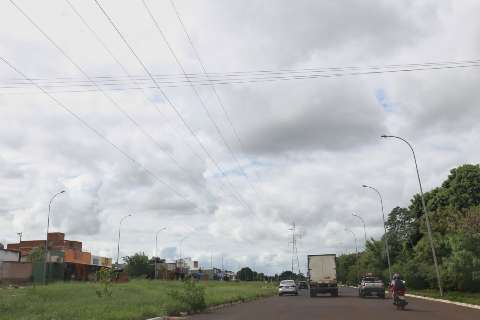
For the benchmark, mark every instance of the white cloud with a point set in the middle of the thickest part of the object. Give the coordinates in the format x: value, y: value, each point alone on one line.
x: 309, y: 144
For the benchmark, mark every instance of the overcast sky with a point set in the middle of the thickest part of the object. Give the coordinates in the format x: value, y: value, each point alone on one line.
x: 305, y: 147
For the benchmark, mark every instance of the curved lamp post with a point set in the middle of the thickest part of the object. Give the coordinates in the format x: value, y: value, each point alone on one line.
x: 181, y: 250
x: 118, y: 241
x: 356, y: 251
x: 439, y: 280
x: 384, y: 228
x: 46, y: 240
x: 156, y: 245
x: 364, y: 229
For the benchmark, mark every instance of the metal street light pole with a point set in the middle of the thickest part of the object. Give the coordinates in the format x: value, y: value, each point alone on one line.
x: 118, y: 241
x: 384, y: 229
x: 181, y: 250
x: 356, y: 251
x: 427, y: 220
x: 46, y: 240
x: 364, y: 229
x: 156, y: 246
x: 19, y: 245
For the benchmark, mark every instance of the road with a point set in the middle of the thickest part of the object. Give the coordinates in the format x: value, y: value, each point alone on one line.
x: 347, y: 306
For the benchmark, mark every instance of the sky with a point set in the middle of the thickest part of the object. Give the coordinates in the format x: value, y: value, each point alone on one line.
x: 228, y: 168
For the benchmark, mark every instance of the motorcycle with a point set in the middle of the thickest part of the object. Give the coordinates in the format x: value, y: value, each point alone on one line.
x: 399, y: 299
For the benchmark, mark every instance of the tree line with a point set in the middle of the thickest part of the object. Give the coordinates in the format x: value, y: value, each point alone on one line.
x: 454, y: 212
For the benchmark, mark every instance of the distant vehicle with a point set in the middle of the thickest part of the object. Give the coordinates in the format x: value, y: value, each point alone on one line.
x: 287, y: 287
x: 302, y: 285
x: 371, y: 285
x: 322, y: 274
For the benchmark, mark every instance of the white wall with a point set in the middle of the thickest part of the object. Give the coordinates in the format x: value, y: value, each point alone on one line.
x: 6, y: 255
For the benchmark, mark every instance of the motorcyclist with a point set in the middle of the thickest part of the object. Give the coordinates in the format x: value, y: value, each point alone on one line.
x: 397, y: 286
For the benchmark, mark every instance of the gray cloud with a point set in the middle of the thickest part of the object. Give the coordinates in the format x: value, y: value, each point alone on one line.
x: 307, y: 145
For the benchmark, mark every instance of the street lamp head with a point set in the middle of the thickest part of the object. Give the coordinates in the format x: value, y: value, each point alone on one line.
x: 63, y: 191
x: 364, y: 185
x: 384, y: 136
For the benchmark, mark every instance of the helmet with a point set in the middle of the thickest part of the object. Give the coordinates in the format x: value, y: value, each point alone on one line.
x: 396, y: 276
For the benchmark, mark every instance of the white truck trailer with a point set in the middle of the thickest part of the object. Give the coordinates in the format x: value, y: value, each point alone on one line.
x: 322, y: 274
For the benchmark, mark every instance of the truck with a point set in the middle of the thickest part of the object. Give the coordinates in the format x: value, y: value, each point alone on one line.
x: 322, y: 274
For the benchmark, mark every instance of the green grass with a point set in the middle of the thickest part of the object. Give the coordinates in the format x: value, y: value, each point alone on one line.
x: 137, y: 299
x: 466, y: 297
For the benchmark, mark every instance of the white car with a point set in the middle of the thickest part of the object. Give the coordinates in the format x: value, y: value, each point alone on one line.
x: 287, y: 287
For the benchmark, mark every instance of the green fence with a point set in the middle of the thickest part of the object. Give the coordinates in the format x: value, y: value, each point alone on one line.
x: 54, y: 272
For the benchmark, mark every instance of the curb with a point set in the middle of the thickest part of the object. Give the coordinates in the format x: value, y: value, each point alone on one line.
x: 462, y: 304
x: 209, y: 309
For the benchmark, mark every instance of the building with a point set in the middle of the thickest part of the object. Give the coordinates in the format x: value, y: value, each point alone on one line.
x: 190, y: 265
x: 66, y: 259
x: 9, y: 255
x: 12, y: 270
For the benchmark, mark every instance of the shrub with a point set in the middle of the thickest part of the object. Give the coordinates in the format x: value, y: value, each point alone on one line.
x: 105, y: 277
x: 192, y: 296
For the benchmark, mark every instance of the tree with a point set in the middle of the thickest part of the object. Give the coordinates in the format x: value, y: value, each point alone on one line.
x: 138, y: 265
x: 245, y: 274
x: 287, y: 275
x: 454, y: 212
x: 37, y: 255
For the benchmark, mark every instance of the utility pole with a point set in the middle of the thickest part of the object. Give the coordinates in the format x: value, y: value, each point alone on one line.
x: 156, y: 246
x: 118, y: 240
x: 46, y: 240
x: 356, y: 251
x: 293, y: 244
x: 384, y: 229
x: 19, y: 246
x: 364, y: 229
x: 425, y: 211
x: 222, y: 269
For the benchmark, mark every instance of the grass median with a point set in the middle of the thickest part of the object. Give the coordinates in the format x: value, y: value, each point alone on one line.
x: 137, y: 299
x: 465, y: 297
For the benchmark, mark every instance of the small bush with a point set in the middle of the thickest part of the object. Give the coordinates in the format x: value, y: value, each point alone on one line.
x: 192, y: 296
x: 105, y: 277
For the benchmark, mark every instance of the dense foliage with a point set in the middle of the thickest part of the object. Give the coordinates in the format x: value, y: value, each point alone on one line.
x: 247, y: 274
x: 139, y: 265
x: 454, y: 212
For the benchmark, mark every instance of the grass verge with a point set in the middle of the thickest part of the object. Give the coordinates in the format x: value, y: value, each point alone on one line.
x: 137, y: 299
x: 465, y: 297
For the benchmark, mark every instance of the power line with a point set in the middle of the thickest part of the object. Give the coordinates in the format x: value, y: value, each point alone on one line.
x: 223, y: 79
x: 197, y: 94
x: 236, y: 74
x: 205, y: 72
x: 127, y: 73
x: 170, y: 102
x: 287, y: 70
x: 97, y: 132
x: 109, y: 98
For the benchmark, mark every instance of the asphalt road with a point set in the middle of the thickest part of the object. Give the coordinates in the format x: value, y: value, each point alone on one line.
x: 347, y: 306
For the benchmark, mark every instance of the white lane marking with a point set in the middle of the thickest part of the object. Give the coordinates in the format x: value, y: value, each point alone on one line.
x: 462, y: 304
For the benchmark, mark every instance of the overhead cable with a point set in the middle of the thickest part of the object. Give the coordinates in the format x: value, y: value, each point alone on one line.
x: 172, y: 105
x: 97, y: 132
